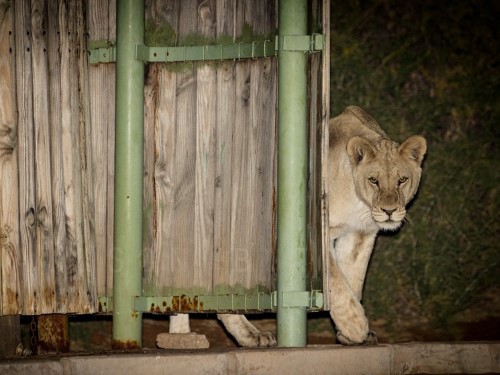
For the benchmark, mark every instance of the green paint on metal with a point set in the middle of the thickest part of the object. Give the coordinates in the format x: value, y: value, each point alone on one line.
x: 102, y: 55
x: 127, y: 257
x: 217, y: 52
x: 292, y: 167
x: 219, y: 302
x: 103, y: 43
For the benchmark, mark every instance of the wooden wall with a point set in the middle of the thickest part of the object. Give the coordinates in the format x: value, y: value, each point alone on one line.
x: 210, y: 154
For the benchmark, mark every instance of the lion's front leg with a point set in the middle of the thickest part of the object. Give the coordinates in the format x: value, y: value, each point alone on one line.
x: 245, y: 333
x: 348, y: 261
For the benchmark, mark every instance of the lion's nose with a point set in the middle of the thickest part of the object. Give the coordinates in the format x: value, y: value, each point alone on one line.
x: 388, y: 211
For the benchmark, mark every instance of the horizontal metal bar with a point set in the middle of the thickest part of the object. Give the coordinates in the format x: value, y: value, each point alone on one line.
x: 301, y: 43
x: 258, y: 302
x: 236, y: 51
x: 105, y: 304
x: 312, y: 300
x: 209, y: 52
x: 208, y: 303
x: 102, y: 55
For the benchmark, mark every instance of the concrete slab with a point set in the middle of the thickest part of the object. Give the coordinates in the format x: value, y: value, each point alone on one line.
x: 182, y: 341
x: 415, y: 358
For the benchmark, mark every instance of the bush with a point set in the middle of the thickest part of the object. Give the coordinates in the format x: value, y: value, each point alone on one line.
x: 430, y: 68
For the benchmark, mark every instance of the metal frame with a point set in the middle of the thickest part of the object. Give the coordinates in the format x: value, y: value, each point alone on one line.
x: 247, y: 303
x: 291, y: 300
x: 237, y: 51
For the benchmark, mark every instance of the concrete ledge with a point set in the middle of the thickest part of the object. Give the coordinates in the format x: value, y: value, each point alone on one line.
x: 415, y: 358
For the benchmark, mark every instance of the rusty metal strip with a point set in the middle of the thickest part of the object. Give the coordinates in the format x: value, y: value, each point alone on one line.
x: 248, y: 303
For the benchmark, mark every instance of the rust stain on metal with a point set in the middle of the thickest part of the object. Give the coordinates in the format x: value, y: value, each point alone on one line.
x: 175, y: 303
x: 125, y: 345
x: 185, y: 304
x: 155, y: 309
x: 53, y: 333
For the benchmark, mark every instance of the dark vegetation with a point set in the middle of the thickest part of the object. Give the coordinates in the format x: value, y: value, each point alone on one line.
x: 432, y: 68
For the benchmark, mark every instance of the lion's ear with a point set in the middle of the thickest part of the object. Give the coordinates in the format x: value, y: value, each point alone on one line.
x: 414, y: 148
x: 359, y: 150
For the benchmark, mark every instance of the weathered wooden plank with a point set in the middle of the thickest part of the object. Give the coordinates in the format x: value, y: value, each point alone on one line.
x: 27, y: 218
x: 252, y: 223
x: 265, y: 118
x: 314, y: 259
x: 184, y: 164
x: 57, y: 180
x: 10, y: 260
x: 88, y: 285
x: 160, y: 119
x: 159, y: 156
x: 149, y: 215
x: 243, y: 183
x: 205, y: 155
x: 43, y: 194
x: 101, y: 78
x: 223, y: 149
x: 324, y: 146
x: 263, y: 86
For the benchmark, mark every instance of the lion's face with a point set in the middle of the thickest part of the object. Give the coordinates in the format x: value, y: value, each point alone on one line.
x: 386, y: 176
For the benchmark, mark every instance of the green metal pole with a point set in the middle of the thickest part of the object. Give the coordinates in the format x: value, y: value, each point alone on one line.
x: 127, y: 257
x: 292, y: 166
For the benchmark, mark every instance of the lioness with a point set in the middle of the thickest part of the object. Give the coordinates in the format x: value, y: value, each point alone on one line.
x: 371, y: 180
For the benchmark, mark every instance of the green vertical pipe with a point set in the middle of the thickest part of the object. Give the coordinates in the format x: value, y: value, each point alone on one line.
x: 292, y: 167
x: 127, y: 257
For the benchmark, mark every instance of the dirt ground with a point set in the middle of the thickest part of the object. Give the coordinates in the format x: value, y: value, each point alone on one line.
x: 95, y: 333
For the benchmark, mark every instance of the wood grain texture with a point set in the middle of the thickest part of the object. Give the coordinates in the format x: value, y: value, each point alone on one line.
x: 183, y: 239
x: 27, y: 217
x: 58, y: 196
x: 159, y: 151
x: 10, y: 252
x: 206, y: 100
x: 43, y: 195
x: 101, y: 83
x: 210, y: 155
x: 88, y: 267
x: 209, y: 208
x: 225, y: 125
x: 324, y: 146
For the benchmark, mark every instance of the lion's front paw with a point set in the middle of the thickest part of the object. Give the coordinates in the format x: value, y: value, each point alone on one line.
x: 346, y: 341
x: 261, y: 340
x: 371, y: 339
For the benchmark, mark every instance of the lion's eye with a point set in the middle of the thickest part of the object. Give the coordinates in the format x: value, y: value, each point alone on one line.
x: 402, y: 180
x: 373, y: 180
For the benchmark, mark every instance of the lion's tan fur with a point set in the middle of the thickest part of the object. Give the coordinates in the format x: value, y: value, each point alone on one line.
x: 371, y: 180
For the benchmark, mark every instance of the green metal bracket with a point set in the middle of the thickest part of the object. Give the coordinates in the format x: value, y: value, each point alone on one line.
x: 237, y: 51
x: 102, y: 55
x: 256, y: 49
x: 301, y: 43
x: 258, y: 302
x: 312, y: 300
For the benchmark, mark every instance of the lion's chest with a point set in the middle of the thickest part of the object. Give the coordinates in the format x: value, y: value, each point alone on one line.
x: 347, y: 213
